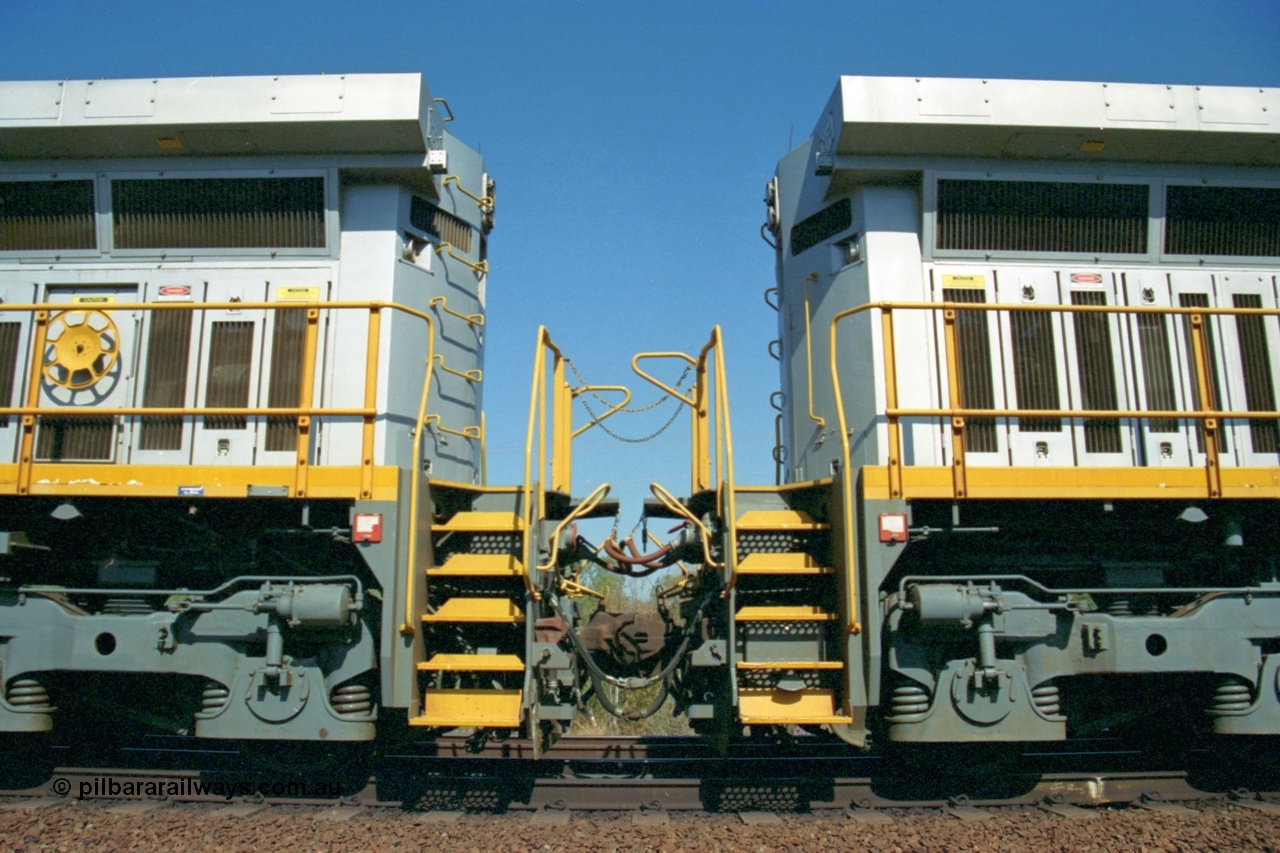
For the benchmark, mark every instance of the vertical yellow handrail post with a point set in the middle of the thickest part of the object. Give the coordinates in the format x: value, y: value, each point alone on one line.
x: 724, y: 465
x: 808, y: 350
x: 305, y: 393
x: 561, y: 430
x: 1204, y: 383
x: 701, y: 449
x: 953, y: 391
x: 891, y: 401
x: 409, y: 627
x: 33, y: 400
x: 542, y: 438
x: 848, y: 530
x: 370, y: 401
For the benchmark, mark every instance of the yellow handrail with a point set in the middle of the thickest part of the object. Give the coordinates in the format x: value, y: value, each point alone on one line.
x: 469, y: 375
x: 484, y: 202
x: 443, y: 304
x: 471, y: 432
x: 589, y: 503
x: 808, y: 350
x: 477, y: 267
x: 710, y: 382
x: 584, y: 389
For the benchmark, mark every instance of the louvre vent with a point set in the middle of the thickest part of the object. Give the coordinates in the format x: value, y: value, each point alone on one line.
x: 973, y: 349
x: 46, y: 215
x: 10, y: 334
x: 75, y: 439
x: 219, y: 213
x: 1259, y: 389
x: 1157, y: 370
x: 165, y: 382
x: 1035, y: 368
x: 823, y: 225
x: 1201, y: 300
x: 1042, y: 216
x: 1239, y: 222
x: 230, y: 363
x: 444, y: 226
x: 288, y: 345
x: 1096, y: 366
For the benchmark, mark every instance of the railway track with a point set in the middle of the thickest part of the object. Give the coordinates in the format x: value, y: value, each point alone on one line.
x: 637, y: 774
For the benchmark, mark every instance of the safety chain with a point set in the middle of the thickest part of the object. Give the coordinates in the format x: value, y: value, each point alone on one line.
x: 659, y: 431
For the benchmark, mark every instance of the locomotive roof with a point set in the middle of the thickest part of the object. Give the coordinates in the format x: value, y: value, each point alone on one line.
x: 1024, y: 119
x: 363, y: 114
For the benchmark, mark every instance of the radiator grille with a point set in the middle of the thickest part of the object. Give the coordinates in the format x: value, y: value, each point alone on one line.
x: 973, y: 349
x: 1035, y: 368
x: 73, y: 439
x: 1157, y: 370
x: 288, y: 346
x: 1096, y: 366
x: 219, y: 213
x: 46, y: 215
x: 823, y: 225
x: 10, y: 335
x: 230, y: 363
x: 1201, y: 300
x: 1233, y: 221
x: 165, y: 382
x: 440, y: 224
x: 1255, y: 357
x: 1042, y: 216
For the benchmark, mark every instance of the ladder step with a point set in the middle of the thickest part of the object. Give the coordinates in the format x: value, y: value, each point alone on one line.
x: 481, y: 522
x: 778, y: 519
x: 452, y: 709
x: 761, y: 563
x: 472, y: 663
x: 783, y: 707
x: 501, y: 610
x: 479, y: 566
x: 772, y: 665
x: 787, y: 613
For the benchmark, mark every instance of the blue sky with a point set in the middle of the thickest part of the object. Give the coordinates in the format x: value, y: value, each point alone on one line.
x: 631, y: 143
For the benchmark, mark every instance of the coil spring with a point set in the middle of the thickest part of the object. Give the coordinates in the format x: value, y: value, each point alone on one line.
x: 910, y: 702
x: 1047, y: 699
x: 1233, y: 694
x: 351, y: 699
x: 1120, y: 607
x: 215, y: 697
x: 28, y: 693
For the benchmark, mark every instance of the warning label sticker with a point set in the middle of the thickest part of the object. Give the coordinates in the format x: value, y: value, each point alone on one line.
x: 297, y: 294
x: 93, y: 300
x: 964, y: 282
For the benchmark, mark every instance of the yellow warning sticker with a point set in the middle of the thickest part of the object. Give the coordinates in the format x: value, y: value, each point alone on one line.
x: 93, y: 300
x: 297, y: 294
x: 964, y: 282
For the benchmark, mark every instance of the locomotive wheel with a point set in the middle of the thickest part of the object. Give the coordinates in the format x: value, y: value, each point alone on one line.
x: 84, y: 344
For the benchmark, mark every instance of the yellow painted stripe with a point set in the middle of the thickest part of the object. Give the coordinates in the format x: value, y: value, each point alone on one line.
x: 768, y: 665
x: 472, y: 663
x: 479, y: 565
x: 1075, y: 483
x: 790, y: 613
x: 481, y: 522
x: 217, y: 481
x: 777, y: 519
x: 499, y: 610
x: 452, y: 709
x: 782, y: 707
x: 761, y: 563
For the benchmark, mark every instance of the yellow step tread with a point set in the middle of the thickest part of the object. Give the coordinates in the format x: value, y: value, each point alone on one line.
x: 782, y: 707
x: 476, y: 610
x: 475, y: 708
x: 479, y: 565
x: 784, y: 613
x: 763, y: 563
x: 789, y: 664
x: 778, y: 519
x: 481, y: 522
x: 472, y: 663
